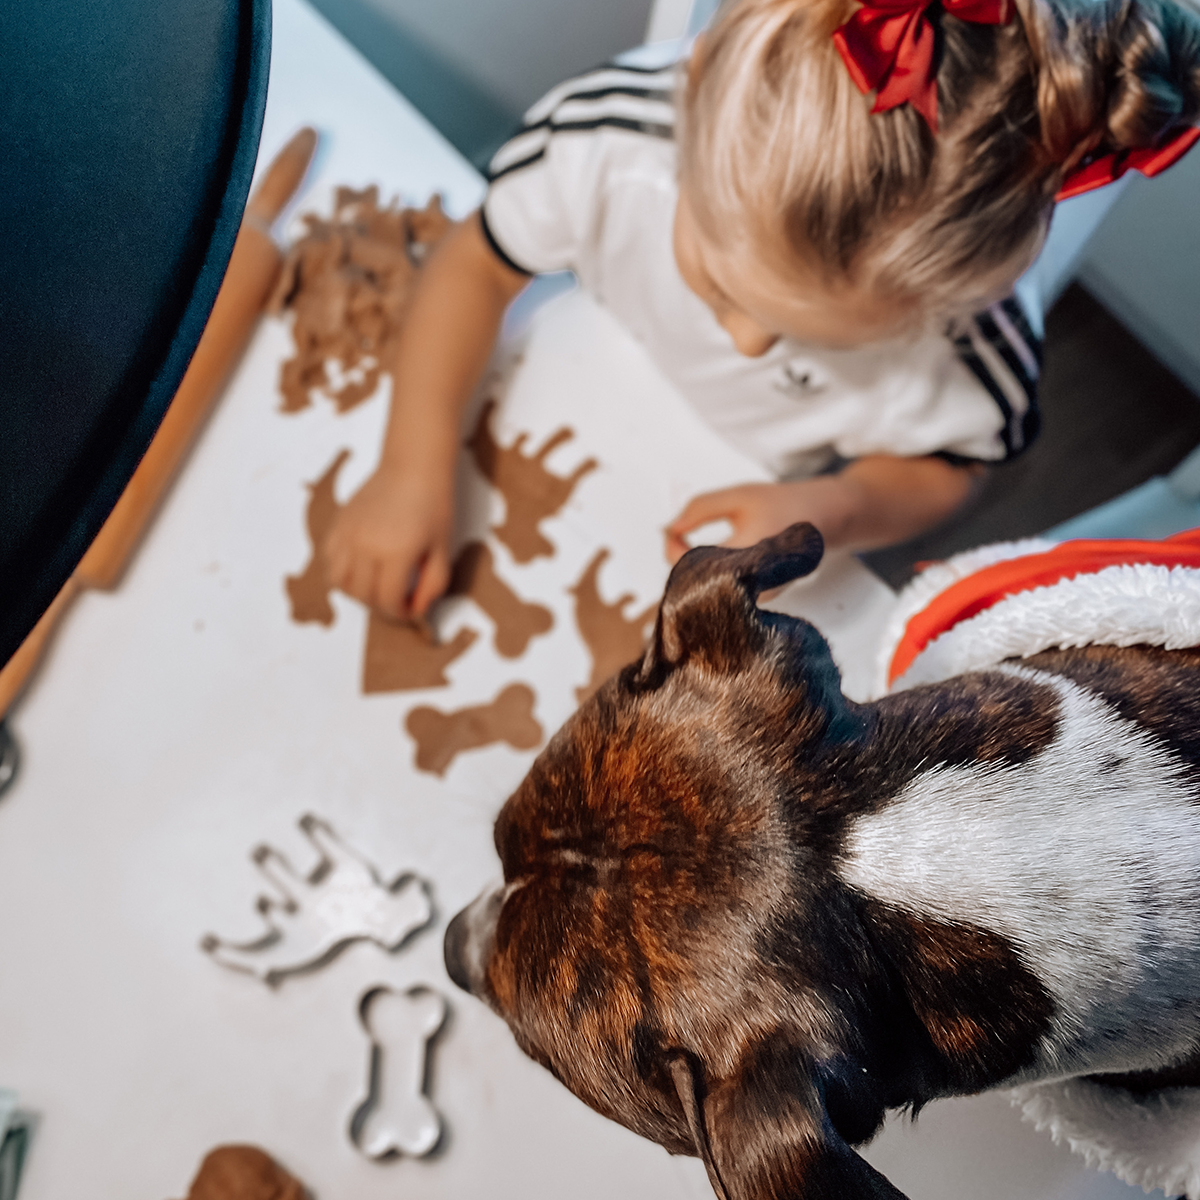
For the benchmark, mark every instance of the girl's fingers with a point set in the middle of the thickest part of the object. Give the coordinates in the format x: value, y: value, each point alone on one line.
x: 707, y: 509
x: 699, y: 510
x: 391, y: 587
x: 676, y: 547
x: 432, y: 581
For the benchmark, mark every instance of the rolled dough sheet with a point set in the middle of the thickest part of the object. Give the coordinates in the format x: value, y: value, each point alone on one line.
x: 348, y: 281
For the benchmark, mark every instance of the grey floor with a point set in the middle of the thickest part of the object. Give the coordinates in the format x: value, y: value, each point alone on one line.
x: 1112, y: 417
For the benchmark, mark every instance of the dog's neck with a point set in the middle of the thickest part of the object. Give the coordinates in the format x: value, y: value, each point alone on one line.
x: 1020, y: 851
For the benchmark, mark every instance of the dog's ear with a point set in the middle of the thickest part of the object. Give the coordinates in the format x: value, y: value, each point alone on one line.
x: 709, y: 602
x: 764, y: 1135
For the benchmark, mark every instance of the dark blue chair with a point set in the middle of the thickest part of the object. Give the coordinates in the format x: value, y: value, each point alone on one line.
x: 128, y: 134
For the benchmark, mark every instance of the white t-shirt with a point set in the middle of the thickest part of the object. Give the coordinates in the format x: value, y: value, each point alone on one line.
x: 589, y: 185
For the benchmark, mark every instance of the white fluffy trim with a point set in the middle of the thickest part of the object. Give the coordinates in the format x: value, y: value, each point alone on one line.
x: 1117, y: 606
x: 1151, y: 1143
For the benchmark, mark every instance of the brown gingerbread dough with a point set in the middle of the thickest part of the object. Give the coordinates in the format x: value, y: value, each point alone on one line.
x: 349, y: 281
x: 309, y: 591
x: 403, y: 655
x: 531, y: 492
x: 243, y: 1173
x: 612, y: 638
x: 474, y: 575
x: 440, y: 736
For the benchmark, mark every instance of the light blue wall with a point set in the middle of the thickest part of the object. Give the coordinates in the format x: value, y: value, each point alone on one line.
x: 1143, y: 264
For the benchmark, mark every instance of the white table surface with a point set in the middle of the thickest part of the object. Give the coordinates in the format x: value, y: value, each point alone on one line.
x: 183, y: 719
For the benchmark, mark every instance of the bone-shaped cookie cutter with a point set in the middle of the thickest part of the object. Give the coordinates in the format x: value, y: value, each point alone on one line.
x: 312, y: 918
x: 397, y: 1118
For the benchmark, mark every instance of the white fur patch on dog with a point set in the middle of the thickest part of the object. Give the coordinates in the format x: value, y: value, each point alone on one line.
x: 1086, y: 859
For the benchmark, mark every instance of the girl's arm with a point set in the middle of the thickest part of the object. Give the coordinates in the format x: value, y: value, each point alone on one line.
x: 390, y: 545
x: 876, y: 501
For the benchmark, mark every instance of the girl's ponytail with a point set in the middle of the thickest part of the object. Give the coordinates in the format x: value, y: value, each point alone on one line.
x: 781, y: 151
x: 1112, y: 75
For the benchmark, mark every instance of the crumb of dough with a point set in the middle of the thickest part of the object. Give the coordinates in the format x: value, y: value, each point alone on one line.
x: 243, y: 1173
x: 531, y: 492
x: 441, y: 736
x: 612, y: 638
x: 348, y: 282
x: 517, y: 621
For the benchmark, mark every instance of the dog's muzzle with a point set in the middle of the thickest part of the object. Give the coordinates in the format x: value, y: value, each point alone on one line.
x: 469, y: 938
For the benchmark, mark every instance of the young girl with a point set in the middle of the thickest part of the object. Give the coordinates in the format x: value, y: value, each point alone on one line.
x: 796, y: 229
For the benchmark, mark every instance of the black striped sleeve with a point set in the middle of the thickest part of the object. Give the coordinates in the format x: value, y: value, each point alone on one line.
x: 1001, y: 350
x: 497, y: 249
x: 635, y: 99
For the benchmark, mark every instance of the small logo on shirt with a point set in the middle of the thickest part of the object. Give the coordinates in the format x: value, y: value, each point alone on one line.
x: 798, y: 380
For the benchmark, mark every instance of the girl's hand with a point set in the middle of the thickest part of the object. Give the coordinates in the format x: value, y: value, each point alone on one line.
x: 759, y: 510
x: 390, y: 545
x: 876, y: 501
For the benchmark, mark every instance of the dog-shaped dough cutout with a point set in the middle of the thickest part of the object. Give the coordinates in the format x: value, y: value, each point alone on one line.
x: 532, y: 492
x: 311, y: 918
x: 745, y: 917
x: 397, y: 1118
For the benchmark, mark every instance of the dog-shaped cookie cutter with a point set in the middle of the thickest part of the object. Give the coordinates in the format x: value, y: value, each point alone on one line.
x: 745, y: 916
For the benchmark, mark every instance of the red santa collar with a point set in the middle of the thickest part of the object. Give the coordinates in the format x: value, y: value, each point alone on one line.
x: 979, y: 591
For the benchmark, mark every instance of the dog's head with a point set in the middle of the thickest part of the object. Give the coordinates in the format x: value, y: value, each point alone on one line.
x: 644, y: 944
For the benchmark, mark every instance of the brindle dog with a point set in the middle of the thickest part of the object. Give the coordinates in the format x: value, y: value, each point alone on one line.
x: 744, y: 916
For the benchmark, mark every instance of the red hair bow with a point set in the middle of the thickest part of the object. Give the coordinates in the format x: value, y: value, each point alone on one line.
x: 888, y: 47
x: 1110, y: 167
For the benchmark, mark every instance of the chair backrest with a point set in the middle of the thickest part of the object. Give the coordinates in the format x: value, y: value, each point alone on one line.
x: 127, y: 142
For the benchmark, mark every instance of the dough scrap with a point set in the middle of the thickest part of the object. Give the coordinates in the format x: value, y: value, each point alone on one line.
x: 349, y: 281
x: 397, y: 1118
x: 517, y: 621
x: 531, y: 492
x: 309, y: 591
x: 612, y: 638
x: 243, y: 1173
x: 440, y: 736
x: 311, y: 918
x: 402, y: 656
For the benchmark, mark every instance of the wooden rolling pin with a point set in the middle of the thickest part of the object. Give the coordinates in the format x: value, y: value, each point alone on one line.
x: 252, y: 272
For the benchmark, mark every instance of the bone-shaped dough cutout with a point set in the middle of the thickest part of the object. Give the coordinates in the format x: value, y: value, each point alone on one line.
x: 397, y: 1117
x: 402, y: 655
x: 517, y: 621
x: 612, y: 638
x: 309, y: 591
x: 311, y: 918
x: 531, y: 491
x: 440, y: 736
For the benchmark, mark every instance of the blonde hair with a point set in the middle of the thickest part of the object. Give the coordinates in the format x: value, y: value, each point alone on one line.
x: 779, y: 151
